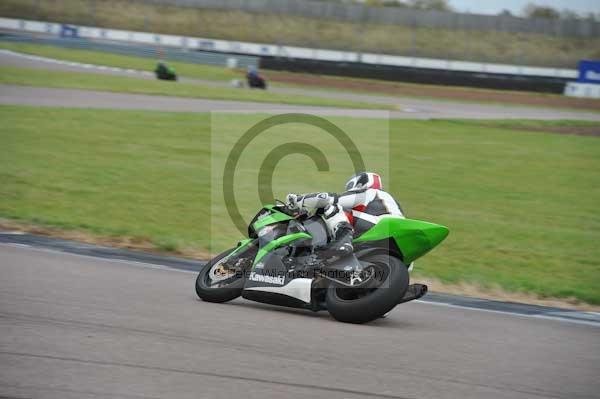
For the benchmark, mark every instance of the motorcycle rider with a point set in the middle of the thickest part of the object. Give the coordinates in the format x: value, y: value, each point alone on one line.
x: 254, y: 79
x: 353, y: 212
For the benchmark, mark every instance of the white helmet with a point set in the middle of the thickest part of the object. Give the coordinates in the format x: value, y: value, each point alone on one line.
x: 363, y: 181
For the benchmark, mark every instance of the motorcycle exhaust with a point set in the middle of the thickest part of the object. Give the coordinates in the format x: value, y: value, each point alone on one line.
x: 414, y: 291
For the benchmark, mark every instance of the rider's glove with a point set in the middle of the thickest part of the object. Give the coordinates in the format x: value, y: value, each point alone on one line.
x: 292, y: 201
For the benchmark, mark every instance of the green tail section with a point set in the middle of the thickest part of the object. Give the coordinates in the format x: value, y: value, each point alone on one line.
x: 413, y: 237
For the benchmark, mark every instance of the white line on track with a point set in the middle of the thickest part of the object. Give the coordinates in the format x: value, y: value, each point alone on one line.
x: 73, y: 63
x: 533, y: 316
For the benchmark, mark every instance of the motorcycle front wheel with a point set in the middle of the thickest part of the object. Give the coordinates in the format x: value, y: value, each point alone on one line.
x: 216, y: 284
x: 385, y: 283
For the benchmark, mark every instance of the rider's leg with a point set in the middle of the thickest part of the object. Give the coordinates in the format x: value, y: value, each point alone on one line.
x: 341, y: 232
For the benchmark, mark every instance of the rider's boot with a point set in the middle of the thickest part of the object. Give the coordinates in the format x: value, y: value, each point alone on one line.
x: 340, y: 245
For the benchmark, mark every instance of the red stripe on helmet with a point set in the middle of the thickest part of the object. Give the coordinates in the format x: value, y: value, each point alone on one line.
x: 376, y: 182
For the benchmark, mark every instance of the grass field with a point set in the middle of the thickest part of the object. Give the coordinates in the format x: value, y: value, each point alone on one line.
x: 521, y: 204
x: 124, y: 84
x: 489, y: 46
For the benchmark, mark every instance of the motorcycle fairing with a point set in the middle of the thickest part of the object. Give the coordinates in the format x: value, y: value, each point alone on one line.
x: 278, y: 243
x: 298, y: 288
x: 270, y: 282
x: 268, y: 215
x: 275, y: 217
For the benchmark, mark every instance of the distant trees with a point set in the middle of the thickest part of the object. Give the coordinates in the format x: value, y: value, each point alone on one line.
x: 534, y: 11
x: 384, y: 3
x: 531, y: 10
x: 568, y: 14
x: 438, y: 5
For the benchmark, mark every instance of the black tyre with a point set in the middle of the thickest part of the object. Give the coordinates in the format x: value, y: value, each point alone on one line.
x: 218, y: 291
x: 379, y: 295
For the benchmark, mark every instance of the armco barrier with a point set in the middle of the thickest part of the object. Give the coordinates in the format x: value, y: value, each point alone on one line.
x: 419, y: 75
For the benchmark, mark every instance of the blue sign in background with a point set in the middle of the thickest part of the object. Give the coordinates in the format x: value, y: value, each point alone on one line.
x: 589, y: 71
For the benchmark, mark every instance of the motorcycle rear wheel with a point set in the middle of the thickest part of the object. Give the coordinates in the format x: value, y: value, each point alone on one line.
x: 350, y: 305
x: 224, y: 291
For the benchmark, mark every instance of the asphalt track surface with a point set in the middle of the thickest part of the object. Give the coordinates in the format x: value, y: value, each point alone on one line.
x: 408, y: 108
x: 74, y: 326
x: 40, y: 96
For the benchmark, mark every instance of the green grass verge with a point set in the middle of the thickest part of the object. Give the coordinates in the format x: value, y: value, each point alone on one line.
x: 521, y: 205
x: 198, y: 71
x: 124, y: 84
x: 487, y: 46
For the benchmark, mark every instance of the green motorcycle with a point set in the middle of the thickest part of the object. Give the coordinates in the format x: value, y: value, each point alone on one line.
x: 277, y: 265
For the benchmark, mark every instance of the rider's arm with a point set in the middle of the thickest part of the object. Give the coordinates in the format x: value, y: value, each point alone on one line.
x: 311, y: 201
x: 390, y: 203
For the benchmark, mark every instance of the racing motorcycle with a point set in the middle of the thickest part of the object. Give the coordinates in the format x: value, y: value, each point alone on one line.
x: 256, y: 81
x: 165, y: 72
x: 277, y: 265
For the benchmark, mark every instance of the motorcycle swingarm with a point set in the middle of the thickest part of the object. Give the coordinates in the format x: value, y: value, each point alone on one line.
x: 414, y: 291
